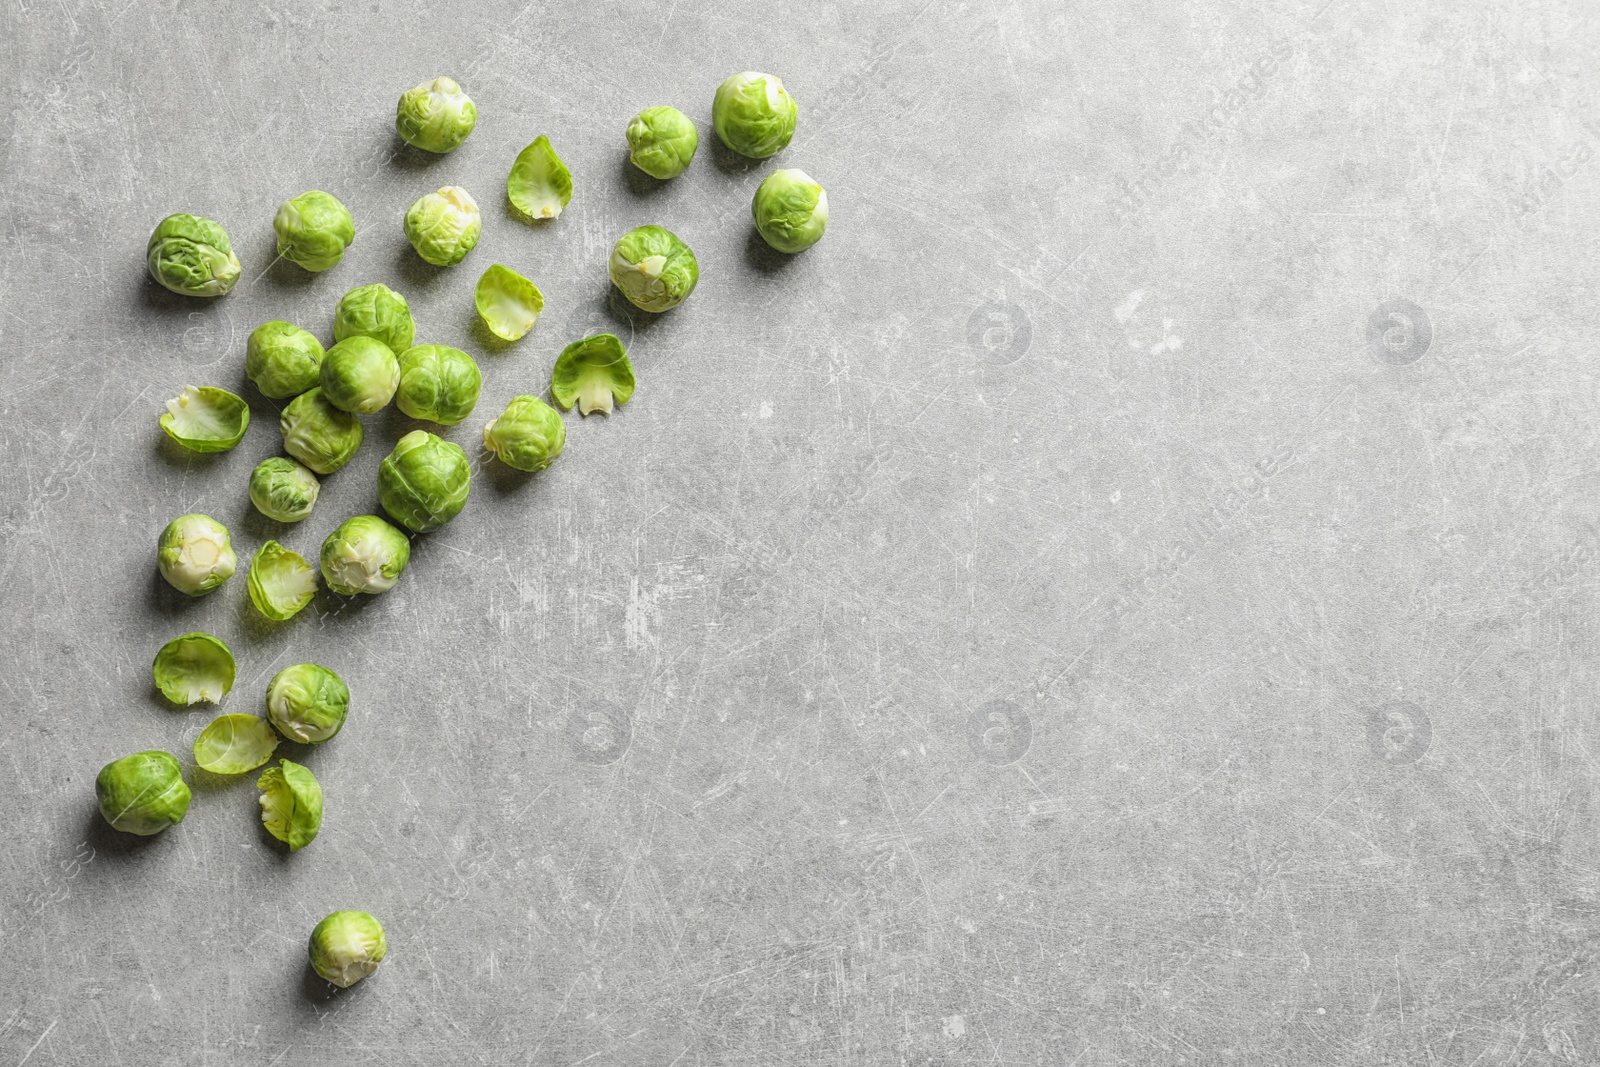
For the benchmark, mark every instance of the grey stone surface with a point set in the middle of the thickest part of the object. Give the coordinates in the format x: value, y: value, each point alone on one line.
x: 1127, y: 596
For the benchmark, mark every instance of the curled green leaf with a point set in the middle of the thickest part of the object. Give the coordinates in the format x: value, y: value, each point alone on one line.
x: 291, y: 804
x: 194, y: 667
x: 281, y: 582
x: 206, y: 419
x: 593, y: 372
x: 233, y: 744
x: 539, y: 184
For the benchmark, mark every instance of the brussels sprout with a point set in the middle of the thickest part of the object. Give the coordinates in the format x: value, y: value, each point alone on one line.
x: 319, y: 434
x: 313, y: 230
x: 233, y: 744
x: 282, y: 359
x: 754, y: 114
x: 194, y: 667
x: 654, y: 268
x: 529, y: 436
x: 508, y: 303
x: 192, y: 256
x: 206, y: 419
x: 195, y: 554
x: 281, y: 582
x: 540, y: 184
x: 284, y: 490
x: 424, y: 482
x: 347, y: 946
x: 291, y: 804
x: 791, y: 210
x: 444, y: 226
x: 437, y: 383
x: 359, y: 375
x: 592, y: 371
x: 378, y: 312
x: 307, y: 703
x: 436, y: 116
x: 661, y: 141
x: 364, y: 555
x: 143, y: 793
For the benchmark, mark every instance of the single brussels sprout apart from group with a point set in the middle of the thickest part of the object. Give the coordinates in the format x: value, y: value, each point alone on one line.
x: 291, y: 804
x: 436, y: 116
x: 281, y: 582
x: 539, y: 184
x: 195, y: 554
x: 662, y: 141
x: 284, y: 490
x: 754, y: 114
x: 654, y: 268
x: 444, y: 226
x: 143, y: 793
x: 424, y: 482
x: 206, y: 419
x: 791, y: 210
x: 347, y: 946
x: 508, y: 303
x: 364, y: 555
x: 233, y: 744
x: 313, y: 230
x: 307, y: 703
x: 194, y: 667
x: 378, y: 312
x: 359, y: 375
x: 282, y: 359
x: 592, y: 372
x: 192, y: 256
x: 318, y: 434
x: 529, y: 436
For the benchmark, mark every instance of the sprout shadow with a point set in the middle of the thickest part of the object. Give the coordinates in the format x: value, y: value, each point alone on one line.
x: 638, y: 182
x: 407, y: 156
x: 280, y: 272
x: 177, y: 456
x: 316, y: 992
x: 487, y: 339
x: 504, y: 480
x: 167, y: 601
x: 418, y: 272
x: 763, y: 258
x: 730, y: 162
x: 113, y: 844
x: 209, y: 783
x: 329, y: 605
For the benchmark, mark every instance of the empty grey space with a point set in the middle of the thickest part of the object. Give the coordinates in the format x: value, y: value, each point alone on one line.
x: 1127, y: 596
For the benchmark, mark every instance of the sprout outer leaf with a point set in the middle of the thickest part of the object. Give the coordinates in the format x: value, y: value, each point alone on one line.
x: 233, y: 744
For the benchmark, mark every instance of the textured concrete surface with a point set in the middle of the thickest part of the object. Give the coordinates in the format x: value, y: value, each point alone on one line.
x: 1128, y: 596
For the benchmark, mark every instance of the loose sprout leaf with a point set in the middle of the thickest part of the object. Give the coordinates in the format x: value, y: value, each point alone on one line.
x: 206, y: 419
x: 281, y: 581
x: 508, y: 303
x: 593, y: 372
x: 291, y: 804
x: 194, y: 667
x: 233, y: 744
x: 540, y: 184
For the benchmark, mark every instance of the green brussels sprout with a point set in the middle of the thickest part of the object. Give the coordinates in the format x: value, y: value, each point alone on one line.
x: 438, y: 383
x: 364, y: 555
x: 313, y: 230
x: 654, y: 268
x: 378, y: 312
x: 194, y: 667
x: 284, y: 490
x: 508, y: 303
x: 143, y: 793
x: 307, y: 703
x: 444, y: 226
x: 436, y: 116
x: 291, y: 804
x: 424, y: 482
x: 592, y: 371
x: 192, y: 256
x: 791, y: 210
x: 754, y: 114
x: 195, y: 554
x: 233, y: 744
x: 662, y: 141
x: 281, y: 582
x: 318, y: 434
x: 359, y: 375
x: 539, y: 184
x: 347, y: 946
x: 282, y: 359
x: 206, y: 419
x: 529, y: 436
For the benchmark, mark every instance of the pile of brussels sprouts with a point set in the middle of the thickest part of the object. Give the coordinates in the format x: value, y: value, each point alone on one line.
x: 425, y: 480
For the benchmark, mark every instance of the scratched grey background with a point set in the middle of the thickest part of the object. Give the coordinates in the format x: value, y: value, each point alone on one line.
x: 1127, y: 596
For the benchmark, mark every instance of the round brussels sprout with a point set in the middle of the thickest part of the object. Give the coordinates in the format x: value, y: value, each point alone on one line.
x: 378, y: 312
x: 282, y: 359
x: 539, y: 184
x: 206, y: 419
x: 754, y: 114
x: 313, y: 230
x: 444, y: 226
x: 307, y: 703
x: 508, y: 303
x: 280, y: 581
x: 318, y: 434
x: 192, y: 256
x: 233, y: 744
x: 654, y: 268
x: 364, y: 555
x: 592, y: 372
x: 143, y: 793
x: 436, y: 116
x: 347, y: 946
x: 291, y: 804
x: 529, y: 436
x: 438, y: 383
x: 359, y: 375
x: 195, y: 554
x: 194, y: 667
x: 284, y: 490
x: 662, y: 141
x: 791, y: 210
x: 424, y: 482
